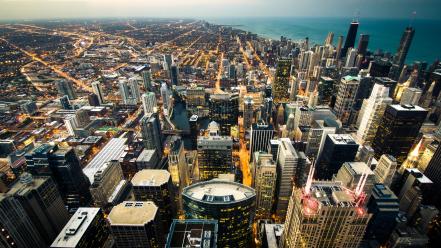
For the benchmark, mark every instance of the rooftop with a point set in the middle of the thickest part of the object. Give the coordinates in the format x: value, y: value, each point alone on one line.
x: 219, y: 191
x: 75, y: 228
x: 192, y: 233
x: 149, y: 177
x: 407, y: 107
x: 132, y: 213
x: 342, y: 139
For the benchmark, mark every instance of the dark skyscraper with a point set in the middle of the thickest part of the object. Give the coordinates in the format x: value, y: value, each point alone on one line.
x: 224, y: 109
x: 398, y: 130
x: 433, y: 172
x: 403, y: 49
x: 363, y: 44
x: 281, y: 83
x: 151, y: 132
x: 174, y: 71
x: 350, y: 38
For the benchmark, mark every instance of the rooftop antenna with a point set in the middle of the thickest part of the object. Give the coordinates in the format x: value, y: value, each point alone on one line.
x: 357, y: 16
x: 412, y: 18
x: 310, y: 177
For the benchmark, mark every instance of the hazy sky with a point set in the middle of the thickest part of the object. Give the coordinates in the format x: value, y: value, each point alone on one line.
x: 31, y: 9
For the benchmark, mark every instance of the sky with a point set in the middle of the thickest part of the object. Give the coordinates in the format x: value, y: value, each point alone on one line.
x: 48, y: 9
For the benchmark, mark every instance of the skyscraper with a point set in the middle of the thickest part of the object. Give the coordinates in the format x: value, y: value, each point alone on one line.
x: 129, y: 91
x: 151, y: 132
x: 324, y: 214
x: 403, y: 49
x: 346, y: 93
x: 371, y: 113
x: 385, y: 170
x: 261, y: 134
x: 363, y: 44
x: 433, y: 172
x: 281, y: 83
x: 174, y: 73
x: 65, y: 88
x: 136, y: 224
x: 224, y: 109
x: 248, y: 112
x: 411, y: 96
x: 338, y: 148
x: 265, y: 178
x: 351, y: 57
x: 190, y: 233
x: 177, y: 165
x: 231, y: 204
x: 350, y: 38
x: 351, y: 173
x: 105, y: 182
x: 149, y: 102
x: 398, y: 130
x: 98, y: 91
x: 165, y: 95
x: 147, y: 79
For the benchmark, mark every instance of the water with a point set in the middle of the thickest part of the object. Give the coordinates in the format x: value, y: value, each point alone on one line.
x: 384, y: 34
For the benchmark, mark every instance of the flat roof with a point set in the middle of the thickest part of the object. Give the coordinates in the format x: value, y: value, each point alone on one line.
x: 358, y: 168
x: 111, y: 151
x: 407, y: 107
x: 342, y: 138
x: 75, y: 228
x: 219, y: 191
x: 134, y: 213
x: 149, y: 177
x: 192, y: 233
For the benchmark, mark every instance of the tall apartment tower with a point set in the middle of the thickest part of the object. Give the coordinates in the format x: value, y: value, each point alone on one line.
x: 129, y: 91
x: 281, y: 82
x: 31, y: 212
x: 149, y: 102
x: 338, y: 148
x: 324, y: 214
x: 385, y: 170
x: 350, y: 38
x: 265, y: 179
x: 98, y: 91
x: 398, y: 130
x: 147, y: 79
x: 261, y: 134
x: 371, y: 113
x: 151, y: 132
x: 248, y: 112
x: 346, y: 93
x: 156, y: 185
x: 214, y: 153
x: 403, y: 49
x: 65, y: 88
x: 136, y: 224
x: 291, y: 170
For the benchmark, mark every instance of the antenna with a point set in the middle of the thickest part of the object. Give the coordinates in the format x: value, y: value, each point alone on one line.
x: 357, y: 15
x: 412, y: 18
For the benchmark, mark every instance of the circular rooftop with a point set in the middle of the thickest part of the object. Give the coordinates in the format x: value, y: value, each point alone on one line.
x: 219, y: 191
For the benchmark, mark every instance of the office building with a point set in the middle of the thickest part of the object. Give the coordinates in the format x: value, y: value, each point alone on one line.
x: 398, y: 130
x: 316, y: 137
x: 261, y: 134
x: 214, y: 153
x: 192, y: 233
x: 65, y: 102
x: 324, y: 214
x: 156, y: 185
x: 265, y: 178
x: 325, y: 90
x: 351, y: 173
x: 384, y: 207
x: 371, y: 113
x: 416, y: 190
x: 195, y: 96
x: 281, y: 82
x: 149, y: 102
x: 151, y: 132
x: 427, y: 156
x: 403, y: 49
x: 147, y: 159
x: 411, y: 96
x: 224, y: 109
x: 248, y: 112
x: 147, y: 79
x: 194, y: 131
x: 346, y: 93
x: 129, y: 91
x: 98, y: 91
x: 271, y: 235
x: 71, y: 123
x: 165, y: 95
x: 231, y: 204
x: 168, y: 61
x: 63, y: 165
x: 105, y: 182
x: 65, y: 88
x: 292, y: 167
x: 337, y: 149
x: 31, y: 212
x: 87, y: 228
x: 177, y: 166
x: 29, y: 107
x: 363, y: 43
x: 351, y: 57
x: 350, y: 38
x: 385, y: 170
x: 136, y: 224
x: 407, y: 236
x: 174, y: 74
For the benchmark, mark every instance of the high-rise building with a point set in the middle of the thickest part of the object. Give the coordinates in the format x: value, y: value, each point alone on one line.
x: 177, y: 166
x: 248, y: 112
x: 224, y: 109
x: 65, y: 103
x: 86, y: 228
x: 350, y: 38
x: 363, y: 43
x: 149, y: 102
x: 351, y: 57
x: 63, y: 165
x: 371, y: 113
x: 261, y: 134
x: 337, y: 149
x: 324, y: 214
x: 65, y: 88
x: 384, y: 207
x: 329, y: 39
x: 93, y: 100
x: 316, y: 138
x: 156, y: 185
x: 195, y: 96
x: 151, y: 132
x: 165, y: 95
x: 214, y: 153
x: 192, y: 233
x: 351, y: 173
x: 281, y: 83
x: 129, y: 91
x: 71, y: 123
x: 136, y: 224
x: 265, y: 178
x: 147, y: 79
x: 403, y: 49
x: 338, y: 49
x: 291, y: 170
x: 325, y: 89
x: 398, y: 130
x: 194, y: 131
x: 98, y: 91
x: 346, y: 93
x: 411, y: 96
x: 174, y: 73
x: 385, y: 170
x: 427, y: 156
x: 105, y: 182
x: 32, y: 212
x: 231, y: 204
x: 168, y: 61
x: 416, y: 190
